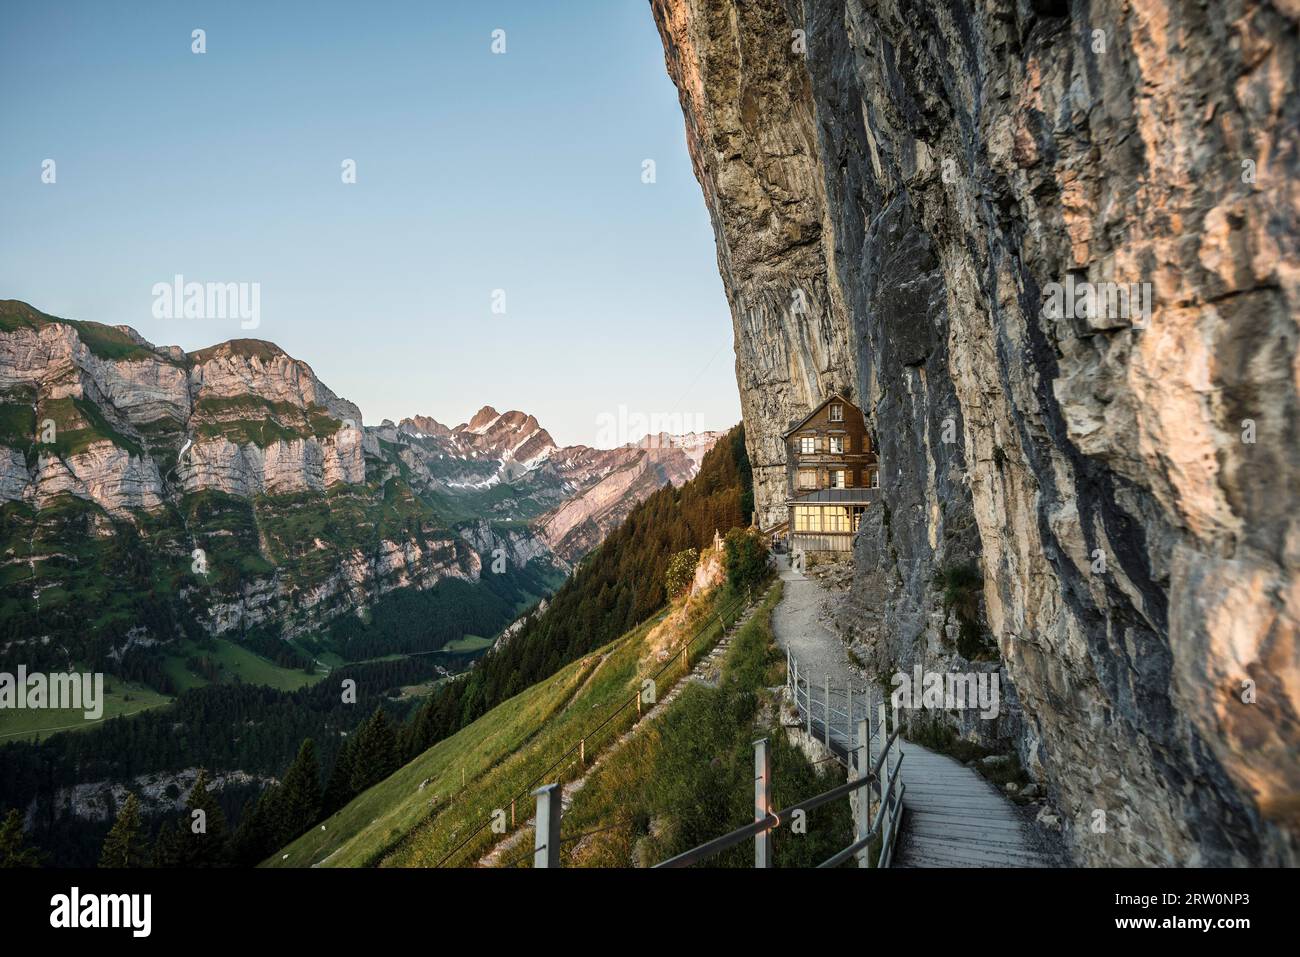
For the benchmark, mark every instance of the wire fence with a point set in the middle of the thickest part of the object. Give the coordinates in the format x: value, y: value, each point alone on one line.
x: 869, y: 745
x: 726, y: 616
x: 827, y: 712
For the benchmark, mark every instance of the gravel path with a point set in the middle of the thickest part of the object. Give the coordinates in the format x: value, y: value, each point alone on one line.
x: 799, y: 625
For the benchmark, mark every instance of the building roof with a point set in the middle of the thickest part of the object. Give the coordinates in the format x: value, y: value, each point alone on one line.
x: 837, y: 496
x: 817, y: 408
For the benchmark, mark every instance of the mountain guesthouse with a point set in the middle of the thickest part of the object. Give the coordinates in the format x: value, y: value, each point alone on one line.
x: 833, y: 475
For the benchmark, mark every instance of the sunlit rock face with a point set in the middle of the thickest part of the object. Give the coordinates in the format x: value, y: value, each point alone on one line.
x: 752, y: 138
x: 1125, y: 483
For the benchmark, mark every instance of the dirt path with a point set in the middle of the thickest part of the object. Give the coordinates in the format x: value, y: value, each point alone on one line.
x: 707, y: 671
x: 800, y: 627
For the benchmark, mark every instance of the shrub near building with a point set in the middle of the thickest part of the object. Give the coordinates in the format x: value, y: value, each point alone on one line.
x: 746, y: 558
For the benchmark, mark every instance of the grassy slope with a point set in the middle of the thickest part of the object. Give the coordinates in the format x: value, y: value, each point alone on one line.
x: 395, y: 824
x: 373, y: 820
x: 237, y: 663
x: 688, y: 777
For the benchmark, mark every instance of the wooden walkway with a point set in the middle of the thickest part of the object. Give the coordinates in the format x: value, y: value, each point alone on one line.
x: 953, y: 817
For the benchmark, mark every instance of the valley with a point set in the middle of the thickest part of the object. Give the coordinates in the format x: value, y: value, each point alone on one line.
x: 204, y: 526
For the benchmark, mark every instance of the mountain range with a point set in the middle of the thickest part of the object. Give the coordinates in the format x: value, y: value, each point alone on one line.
x: 150, y: 494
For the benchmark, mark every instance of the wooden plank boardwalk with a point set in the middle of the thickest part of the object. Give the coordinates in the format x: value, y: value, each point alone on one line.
x: 953, y: 817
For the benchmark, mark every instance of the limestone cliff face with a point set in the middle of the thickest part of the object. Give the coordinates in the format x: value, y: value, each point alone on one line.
x: 257, y: 420
x: 753, y: 142
x: 1125, y: 483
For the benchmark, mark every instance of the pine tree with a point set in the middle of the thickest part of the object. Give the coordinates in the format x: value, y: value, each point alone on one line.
x: 125, y: 844
x: 375, y: 754
x: 338, y: 790
x: 204, y: 844
x: 300, y: 804
x: 167, y: 850
x: 14, y: 850
x: 255, y: 837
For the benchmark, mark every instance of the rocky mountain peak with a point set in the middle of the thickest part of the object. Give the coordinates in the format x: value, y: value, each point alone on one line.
x: 423, y: 425
x: 259, y: 349
x: 481, y: 420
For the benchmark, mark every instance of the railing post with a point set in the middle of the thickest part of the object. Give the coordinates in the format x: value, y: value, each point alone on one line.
x: 862, y: 806
x: 582, y: 751
x: 826, y: 709
x: 870, y: 757
x: 848, y: 708
x: 546, y: 830
x: 897, y: 726
x: 807, y: 700
x: 762, y: 803
x: 886, y: 781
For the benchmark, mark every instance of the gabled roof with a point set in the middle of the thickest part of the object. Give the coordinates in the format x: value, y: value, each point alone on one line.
x: 821, y: 405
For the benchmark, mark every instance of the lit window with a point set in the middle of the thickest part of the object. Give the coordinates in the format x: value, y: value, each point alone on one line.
x: 835, y: 520
x: 858, y: 512
x: 837, y: 413
x: 807, y: 519
x: 837, y: 444
x: 807, y: 444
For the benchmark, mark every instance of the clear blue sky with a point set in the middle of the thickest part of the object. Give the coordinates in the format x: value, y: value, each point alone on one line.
x: 475, y: 172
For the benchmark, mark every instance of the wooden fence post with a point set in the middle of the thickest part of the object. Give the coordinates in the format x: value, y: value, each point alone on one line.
x: 862, y: 817
x: 546, y: 833
x: 762, y: 803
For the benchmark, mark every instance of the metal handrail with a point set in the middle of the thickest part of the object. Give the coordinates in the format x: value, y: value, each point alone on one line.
x: 885, y: 825
x: 836, y: 725
x: 754, y: 828
x: 835, y: 860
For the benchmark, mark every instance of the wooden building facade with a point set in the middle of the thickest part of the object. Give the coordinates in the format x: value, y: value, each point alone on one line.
x: 833, y: 475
